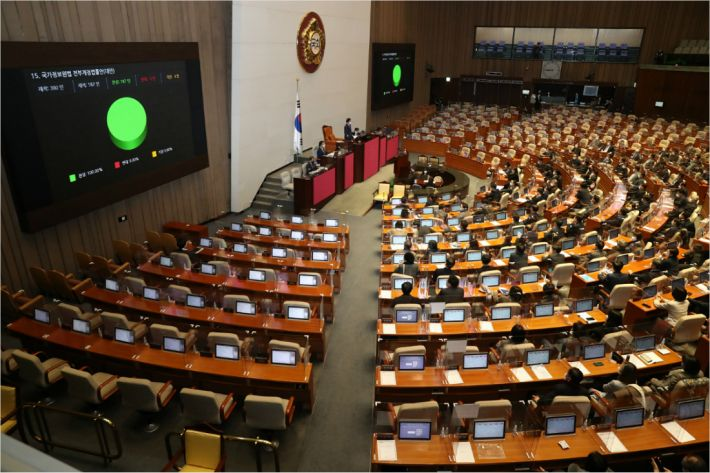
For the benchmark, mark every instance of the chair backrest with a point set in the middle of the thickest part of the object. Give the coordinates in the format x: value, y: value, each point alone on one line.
x: 284, y: 345
x: 60, y: 285
x: 84, y: 262
x: 579, y: 405
x: 620, y: 295
x: 67, y: 312
x: 688, y: 328
x: 181, y: 260
x: 515, y: 352
x: 81, y: 385
x: 617, y: 339
x: 265, y: 412
x: 138, y: 393
x: 219, y: 243
x: 169, y: 242
x: 529, y: 270
x: 400, y: 276
x: 492, y: 272
x: 8, y: 401
x: 39, y: 275
x: 138, y: 252
x: 302, y: 304
x: 411, y: 350
x: 111, y: 320
x: 221, y: 266
x: 415, y: 307
x: 123, y: 252
x: 200, y: 406
x: 459, y: 305
x: 285, y: 178
x: 178, y: 293
x: 202, y: 450
x: 515, y: 307
x: 496, y: 409
x: 427, y: 410
x: 135, y: 285
x: 562, y: 274
x: 159, y: 331
x: 30, y: 368
x: 230, y: 300
x: 222, y: 338
x: 155, y: 243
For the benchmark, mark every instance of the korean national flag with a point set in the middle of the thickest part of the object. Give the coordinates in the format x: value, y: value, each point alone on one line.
x: 297, y: 137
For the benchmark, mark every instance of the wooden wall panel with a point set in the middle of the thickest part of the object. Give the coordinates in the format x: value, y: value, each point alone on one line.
x: 194, y: 198
x: 444, y: 33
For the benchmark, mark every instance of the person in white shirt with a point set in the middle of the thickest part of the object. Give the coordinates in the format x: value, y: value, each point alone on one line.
x: 676, y: 308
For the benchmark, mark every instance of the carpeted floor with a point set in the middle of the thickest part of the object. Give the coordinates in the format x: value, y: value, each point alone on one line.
x: 336, y: 436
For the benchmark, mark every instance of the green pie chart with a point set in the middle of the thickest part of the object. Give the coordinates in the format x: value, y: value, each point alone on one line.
x: 127, y: 123
x: 396, y: 75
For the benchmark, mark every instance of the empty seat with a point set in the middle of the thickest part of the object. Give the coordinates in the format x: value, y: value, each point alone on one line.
x: 200, y: 406
x: 160, y: 331
x: 92, y: 388
x: 40, y: 373
x: 145, y: 396
x: 113, y: 320
x: 68, y: 312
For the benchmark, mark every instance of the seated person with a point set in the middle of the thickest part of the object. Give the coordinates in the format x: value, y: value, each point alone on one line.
x: 320, y: 152
x: 595, y: 461
x: 571, y: 345
x: 312, y: 166
x: 690, y: 370
x: 571, y: 387
x: 519, y: 258
x: 676, y: 308
x: 626, y: 375
x: 696, y: 257
x: 614, y: 323
x: 447, y: 270
x: 486, y: 262
x: 452, y: 292
x: 406, y: 297
x: 516, y: 337
x: 670, y: 263
x: 555, y: 257
x: 398, y: 228
x: 409, y: 266
x: 610, y: 280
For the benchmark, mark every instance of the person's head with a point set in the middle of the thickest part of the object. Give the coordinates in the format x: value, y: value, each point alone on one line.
x: 450, y: 262
x: 557, y: 248
x: 407, y: 245
x: 693, y: 463
x: 548, y: 290
x: 578, y: 329
x: 399, y: 224
x: 614, y: 318
x: 519, y: 247
x: 679, y: 294
x: 347, y: 120
x: 618, y: 265
x: 627, y: 373
x: 486, y: 258
x: 673, y: 253
x: 407, y: 288
x: 517, y: 334
x: 595, y: 461
x: 453, y: 281
x: 691, y: 365
x: 574, y: 376
x: 432, y: 245
x: 599, y: 245
x: 405, y: 213
x: 321, y: 144
x: 698, y: 249
x: 409, y: 257
x: 516, y: 294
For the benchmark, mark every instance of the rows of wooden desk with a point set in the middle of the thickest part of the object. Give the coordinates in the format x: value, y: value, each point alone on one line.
x: 184, y: 369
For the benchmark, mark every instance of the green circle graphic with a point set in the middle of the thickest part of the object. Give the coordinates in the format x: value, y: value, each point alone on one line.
x: 396, y: 75
x: 127, y: 123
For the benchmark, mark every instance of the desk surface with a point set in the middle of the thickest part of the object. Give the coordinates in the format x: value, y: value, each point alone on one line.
x: 307, y: 227
x: 278, y: 241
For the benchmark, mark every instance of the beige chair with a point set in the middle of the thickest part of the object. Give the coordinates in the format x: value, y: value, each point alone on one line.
x: 92, y: 388
x: 146, y: 396
x: 269, y: 274
x: 159, y: 331
x: 620, y: 295
x: 200, y: 406
x: 414, y: 307
x: 410, y: 350
x: 427, y: 410
x: 9, y: 408
x: 9, y: 365
x: 222, y: 267
x: 459, y: 305
x: 284, y: 345
x: 400, y: 276
x: 178, y: 293
x: 169, y: 243
x: 515, y: 352
x: 68, y: 312
x: 686, y: 333
x: 534, y: 249
x: 515, y: 307
x: 230, y: 300
x: 562, y: 274
x: 203, y: 451
x: 302, y: 304
x: 155, y: 243
x: 219, y: 243
x: 222, y: 338
x: 398, y: 191
x: 18, y: 304
x: 382, y: 192
x: 113, y: 320
x: 135, y: 285
x: 40, y: 373
x: 578, y: 405
x: 492, y: 272
x: 495, y: 409
x: 617, y: 340
x: 181, y: 260
x: 542, y: 223
x: 268, y: 412
x: 527, y: 270
x: 687, y: 273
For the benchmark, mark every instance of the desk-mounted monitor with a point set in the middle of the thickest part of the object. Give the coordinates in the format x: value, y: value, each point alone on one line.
x: 266, y: 231
x: 544, y: 310
x: 226, y: 352
x: 456, y: 208
x: 623, y: 259
x: 567, y: 244
x: 297, y: 219
x: 284, y: 357
x: 650, y: 291
x: 678, y: 283
x: 397, y: 258
x: 530, y: 277
x: 454, y: 315
x: 330, y: 237
x: 491, y: 281
x: 277, y: 252
x: 411, y: 362
x: 593, y: 351
x: 151, y: 293
x: 539, y: 248
x: 256, y: 275
x: 594, y: 266
x: 474, y: 255
x: 397, y: 283
x: 307, y: 280
x: 427, y: 222
x: 613, y: 233
x: 396, y: 201
x: 505, y: 254
x: 319, y: 255
x: 475, y: 361
x: 463, y: 237
x: 437, y: 258
x: 644, y: 343
x: 166, y: 262
x: 112, y: 285
x: 265, y: 215
x: 445, y: 197
x: 331, y: 222
x: 537, y: 357
x: 240, y: 248
x: 453, y: 222
x: 501, y: 215
x: 649, y: 253
x: 237, y: 227
x: 297, y: 235
x: 206, y: 242
x: 298, y: 313
x: 584, y: 305
x: 492, y: 234
x: 626, y: 418
x: 124, y: 335
x: 81, y: 326
x: 414, y: 430
x: 195, y: 300
x: 488, y: 429
x: 430, y: 237
x: 592, y: 240
x: 560, y: 424
x: 406, y: 316
x: 398, y: 239
x: 208, y: 268
x: 245, y: 308
x: 173, y: 344
x: 691, y: 408
x: 41, y: 315
x: 501, y: 313
x: 397, y: 212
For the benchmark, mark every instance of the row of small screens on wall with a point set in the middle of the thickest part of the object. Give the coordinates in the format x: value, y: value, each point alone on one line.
x: 565, y: 424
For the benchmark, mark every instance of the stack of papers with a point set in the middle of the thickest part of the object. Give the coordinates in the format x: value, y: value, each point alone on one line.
x: 636, y: 361
x: 434, y: 327
x: 702, y: 287
x: 485, y: 326
x: 678, y: 432
x: 453, y: 377
x: 534, y: 259
x: 565, y: 254
x: 397, y: 247
x: 650, y: 357
x: 580, y: 366
x: 541, y: 372
x: 386, y: 451
x: 521, y: 374
x: 388, y: 378
x: 499, y: 262
x: 463, y: 453
x: 389, y: 329
x: 385, y: 294
x: 612, y: 442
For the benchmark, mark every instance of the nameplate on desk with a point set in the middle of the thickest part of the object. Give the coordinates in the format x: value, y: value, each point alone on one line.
x: 540, y: 372
x: 435, y: 328
x: 611, y: 442
x: 521, y: 374
x: 587, y: 278
x: 463, y: 453
x: 580, y: 366
x: 485, y: 326
x: 386, y: 451
x: 388, y: 378
x: 453, y: 377
x: 586, y: 317
x: 389, y: 329
x: 385, y: 294
x: 678, y: 432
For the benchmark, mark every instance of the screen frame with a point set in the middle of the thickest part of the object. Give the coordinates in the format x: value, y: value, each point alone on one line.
x: 413, y: 421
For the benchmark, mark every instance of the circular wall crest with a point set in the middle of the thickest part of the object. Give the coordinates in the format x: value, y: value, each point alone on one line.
x: 311, y: 42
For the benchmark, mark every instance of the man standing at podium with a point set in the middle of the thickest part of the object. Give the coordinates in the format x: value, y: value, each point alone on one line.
x: 348, y: 131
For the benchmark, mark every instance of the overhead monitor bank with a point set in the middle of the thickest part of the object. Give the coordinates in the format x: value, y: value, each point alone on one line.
x: 88, y: 124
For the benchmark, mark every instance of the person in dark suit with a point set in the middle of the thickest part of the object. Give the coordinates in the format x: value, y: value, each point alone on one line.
x: 571, y: 387
x: 408, y: 267
x: 406, y: 297
x: 348, y: 130
x: 556, y: 257
x: 445, y: 271
x: 583, y: 195
x: 670, y: 263
x: 452, y: 292
x: 312, y: 165
x: 617, y: 277
x: 519, y: 258
x: 320, y: 152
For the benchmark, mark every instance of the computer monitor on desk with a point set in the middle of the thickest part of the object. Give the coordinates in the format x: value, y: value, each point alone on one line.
x: 397, y: 258
x: 240, y: 248
x: 112, y: 284
x: 414, y: 430
x: 277, y: 252
x: 226, y: 352
x: 81, y: 326
x: 265, y: 231
x: 331, y: 222
x: 297, y: 235
x: 583, y: 305
x: 209, y: 269
x: 411, y: 362
x: 650, y: 291
x: 406, y: 316
x: 166, y: 262
x: 195, y: 300
x: 307, y: 280
x: 474, y: 255
x: 319, y: 255
x: 501, y: 313
x: 560, y: 425
x: 505, y: 254
x: 245, y: 308
x: 256, y: 275
x: 593, y: 351
x: 42, y: 316
x: 283, y: 357
x: 237, y: 227
x: 475, y: 361
x: 206, y: 242
x: 544, y: 310
x: 330, y: 237
x: 691, y: 408
x: 537, y: 357
x: 631, y: 417
x: 491, y: 281
x: 124, y: 335
x: 298, y: 313
x: 151, y: 293
x: 398, y: 239
x: 265, y: 215
x: 397, y: 283
x: 463, y: 237
x: 454, y: 315
x: 491, y: 429
x: 644, y: 343
x: 297, y: 219
x: 176, y: 345
x: 531, y: 277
